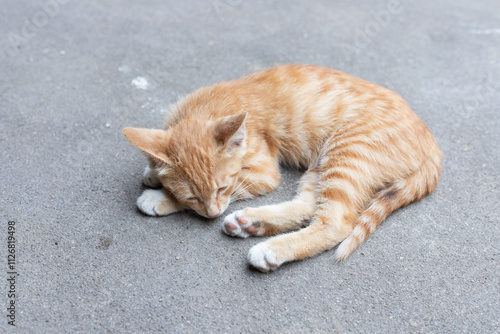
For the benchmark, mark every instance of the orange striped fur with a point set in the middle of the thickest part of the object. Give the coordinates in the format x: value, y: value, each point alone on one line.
x: 365, y: 152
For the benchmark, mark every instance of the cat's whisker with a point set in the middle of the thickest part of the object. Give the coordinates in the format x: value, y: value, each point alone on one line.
x: 245, y: 189
x: 236, y: 194
x: 239, y: 193
x: 241, y: 190
x: 242, y: 182
x: 241, y: 187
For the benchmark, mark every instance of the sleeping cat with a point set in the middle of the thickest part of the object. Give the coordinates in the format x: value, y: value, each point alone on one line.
x: 365, y: 153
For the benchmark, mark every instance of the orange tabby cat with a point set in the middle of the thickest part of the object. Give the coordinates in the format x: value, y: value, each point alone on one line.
x: 365, y: 152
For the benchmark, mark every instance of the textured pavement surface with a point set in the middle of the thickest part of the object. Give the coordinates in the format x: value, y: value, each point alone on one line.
x: 74, y: 73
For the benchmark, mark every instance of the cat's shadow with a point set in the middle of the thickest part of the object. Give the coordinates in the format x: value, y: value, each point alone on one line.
x: 281, y: 270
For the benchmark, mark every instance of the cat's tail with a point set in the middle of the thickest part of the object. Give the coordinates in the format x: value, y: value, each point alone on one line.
x: 398, y: 194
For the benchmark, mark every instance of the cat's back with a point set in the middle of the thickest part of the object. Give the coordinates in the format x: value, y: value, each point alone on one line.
x: 284, y: 91
x: 300, y: 106
x: 295, y: 107
x: 317, y: 97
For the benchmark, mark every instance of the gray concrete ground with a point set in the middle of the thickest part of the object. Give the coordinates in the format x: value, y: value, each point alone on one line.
x: 89, y: 262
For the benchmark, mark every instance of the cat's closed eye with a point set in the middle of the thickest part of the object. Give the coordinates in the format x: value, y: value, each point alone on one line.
x: 221, y: 189
x: 192, y: 199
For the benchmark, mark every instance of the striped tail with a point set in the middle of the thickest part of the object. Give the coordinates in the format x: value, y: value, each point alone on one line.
x: 398, y: 194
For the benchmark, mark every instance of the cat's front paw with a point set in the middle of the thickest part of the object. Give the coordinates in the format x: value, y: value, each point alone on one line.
x: 237, y: 225
x: 263, y: 258
x: 150, y: 178
x: 156, y: 203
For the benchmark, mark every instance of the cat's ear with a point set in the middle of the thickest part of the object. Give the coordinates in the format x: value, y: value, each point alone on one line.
x: 150, y: 141
x: 230, y: 131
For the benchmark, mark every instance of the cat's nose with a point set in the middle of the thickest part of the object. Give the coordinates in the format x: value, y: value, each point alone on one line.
x: 212, y: 211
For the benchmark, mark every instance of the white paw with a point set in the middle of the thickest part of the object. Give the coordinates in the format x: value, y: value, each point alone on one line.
x: 151, y: 178
x: 236, y: 225
x: 262, y: 258
x: 150, y: 202
x: 232, y: 226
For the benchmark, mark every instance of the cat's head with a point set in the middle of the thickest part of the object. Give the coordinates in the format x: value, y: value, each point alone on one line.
x: 197, y: 160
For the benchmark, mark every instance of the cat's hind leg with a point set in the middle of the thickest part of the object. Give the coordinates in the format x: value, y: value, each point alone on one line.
x: 399, y: 193
x: 328, y: 229
x: 345, y: 182
x: 274, y: 219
